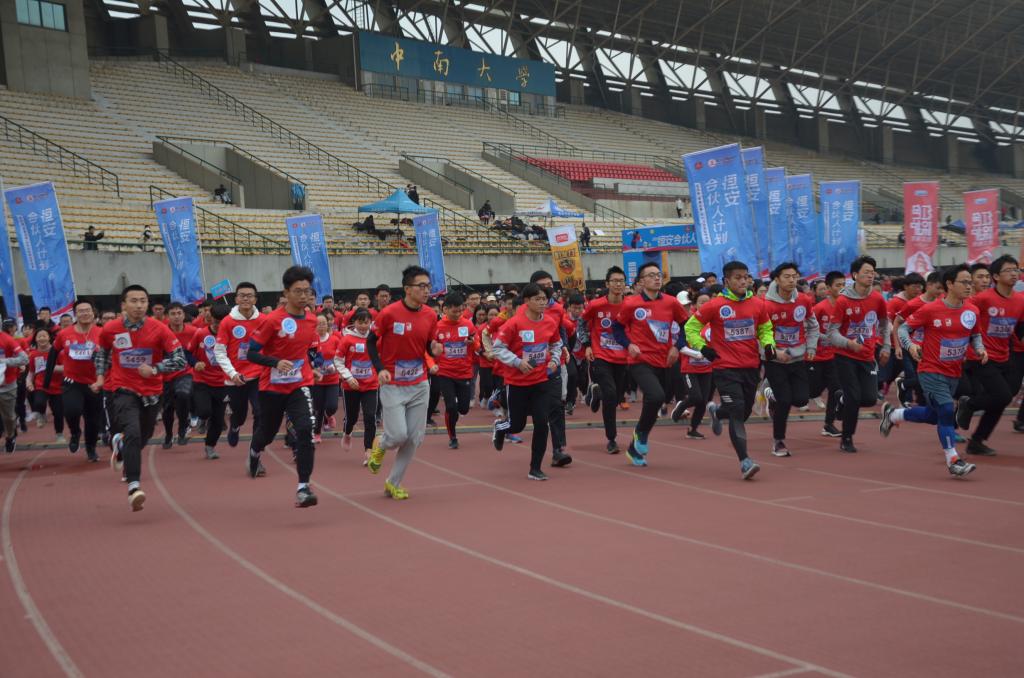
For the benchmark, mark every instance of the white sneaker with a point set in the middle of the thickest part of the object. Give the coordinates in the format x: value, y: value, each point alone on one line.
x: 819, y: 403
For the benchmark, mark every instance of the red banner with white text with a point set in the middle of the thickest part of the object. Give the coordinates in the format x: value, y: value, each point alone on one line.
x: 920, y: 225
x: 981, y: 220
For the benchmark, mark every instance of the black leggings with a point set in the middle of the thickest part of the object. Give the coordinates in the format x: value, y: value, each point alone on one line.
x: 41, y: 399
x: 298, y: 405
x: 367, y: 400
x: 790, y: 387
x: 208, y: 403
x: 822, y: 375
x: 177, y: 400
x: 737, y: 388
x: 325, y: 403
x: 456, y: 394
x: 611, y: 378
x: 531, y: 401
x: 240, y: 397
x: 698, y: 393
x: 81, y: 403
x: 650, y: 380
x: 859, y: 387
x: 486, y: 376
x: 991, y: 385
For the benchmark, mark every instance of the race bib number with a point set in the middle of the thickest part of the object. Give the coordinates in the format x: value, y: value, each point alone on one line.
x: 661, y: 330
x: 408, y: 371
x: 918, y: 336
x: 787, y: 336
x: 739, y: 329
x: 133, y: 358
x: 40, y: 364
x: 362, y: 369
x: 608, y: 342
x: 859, y: 331
x: 952, y: 350
x: 535, y: 354
x: 1001, y: 328
x: 289, y: 376
x: 81, y: 351
x: 243, y: 350
x: 453, y: 350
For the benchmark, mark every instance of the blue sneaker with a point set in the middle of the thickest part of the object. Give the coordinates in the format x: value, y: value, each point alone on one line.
x: 639, y: 445
x: 749, y: 468
x: 233, y: 436
x: 492, y: 401
x: 512, y: 438
x: 716, y: 423
x: 634, y: 457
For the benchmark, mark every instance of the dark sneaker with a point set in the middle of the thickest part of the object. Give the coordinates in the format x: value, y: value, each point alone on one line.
x: 678, y: 410
x: 498, y: 434
x: 453, y: 444
x: 593, y: 397
x: 305, y: 498
x: 11, y: 444
x: 136, y: 498
x: 885, y: 426
x: 255, y: 466
x: 976, y: 447
x: 210, y: 453
x: 90, y: 454
x: 749, y: 468
x: 694, y: 434
x: 182, y: 440
x: 716, y: 423
x: 536, y: 475
x: 73, y: 444
x: 779, y: 449
x: 1018, y: 426
x: 167, y: 444
x: 560, y: 459
x: 846, y: 445
x: 612, y: 447
x: 830, y: 431
x: 964, y: 412
x: 431, y: 422
x: 901, y: 391
x: 233, y: 436
x: 961, y: 468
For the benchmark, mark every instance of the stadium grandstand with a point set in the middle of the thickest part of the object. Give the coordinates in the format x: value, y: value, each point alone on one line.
x: 319, y: 106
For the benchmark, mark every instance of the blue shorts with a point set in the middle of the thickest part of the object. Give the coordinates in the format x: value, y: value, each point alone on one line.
x: 938, y: 388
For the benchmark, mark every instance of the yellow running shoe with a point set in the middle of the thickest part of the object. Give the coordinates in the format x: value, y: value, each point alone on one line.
x: 376, y: 456
x: 395, y: 491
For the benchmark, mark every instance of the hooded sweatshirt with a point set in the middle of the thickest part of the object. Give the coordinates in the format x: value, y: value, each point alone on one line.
x: 796, y: 329
x: 353, y: 360
x: 233, y: 344
x: 860, y: 318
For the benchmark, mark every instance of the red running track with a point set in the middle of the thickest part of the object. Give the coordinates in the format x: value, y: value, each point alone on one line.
x: 874, y: 564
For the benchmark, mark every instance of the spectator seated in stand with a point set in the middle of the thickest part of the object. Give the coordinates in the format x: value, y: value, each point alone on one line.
x: 486, y: 213
x: 365, y: 226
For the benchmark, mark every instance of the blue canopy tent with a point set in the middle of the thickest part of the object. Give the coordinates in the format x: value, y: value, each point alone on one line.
x: 397, y: 203
x: 550, y: 210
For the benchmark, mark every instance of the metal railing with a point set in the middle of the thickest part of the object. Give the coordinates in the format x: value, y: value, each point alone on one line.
x: 237, y: 149
x: 548, y: 151
x: 170, y: 141
x: 220, y: 235
x: 415, y: 160
x: 55, y: 153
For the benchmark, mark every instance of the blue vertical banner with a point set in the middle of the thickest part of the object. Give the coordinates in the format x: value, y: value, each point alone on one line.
x: 430, y: 250
x: 757, y: 196
x: 720, y: 209
x: 778, y: 216
x: 7, y: 289
x: 840, y: 221
x: 44, y: 249
x: 309, y: 248
x: 803, y: 224
x: 177, y: 223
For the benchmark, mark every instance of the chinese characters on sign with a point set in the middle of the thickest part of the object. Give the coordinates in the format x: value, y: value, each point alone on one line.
x: 484, y: 69
x: 309, y: 248
x: 398, y: 56
x: 981, y: 214
x: 441, y: 63
x: 176, y: 220
x: 840, y: 215
x: 920, y: 225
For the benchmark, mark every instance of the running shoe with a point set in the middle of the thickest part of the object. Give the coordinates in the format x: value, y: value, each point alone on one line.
x: 593, y: 397
x: 453, y: 444
x: 330, y: 422
x: 716, y: 423
x: 769, y: 396
x: 255, y: 466
x: 116, y: 458
x: 961, y: 468
x: 168, y: 444
x: 346, y: 441
x: 61, y: 440
x: 498, y: 434
x: 749, y: 468
x: 512, y: 438
x: 634, y: 457
x: 570, y: 407
x: 830, y: 431
x: 210, y: 453
x: 964, y: 412
x: 494, y: 401
x: 431, y: 422
x: 559, y: 458
x: 1018, y: 426
x: 694, y: 434
x: 959, y: 438
x: 317, y: 438
x: 376, y: 456
x: 779, y: 449
x: 73, y: 444
x: 11, y: 444
x: 624, y: 405
x: 639, y: 445
x: 819, y: 403
x: 233, y: 436
x: 536, y: 475
x: 90, y: 454
x: 885, y: 426
x: 136, y: 498
x: 396, y: 492
x: 846, y: 445
x: 980, y: 449
x: 612, y: 447
x: 305, y: 498
x: 679, y: 410
x: 663, y: 412
x: 183, y: 440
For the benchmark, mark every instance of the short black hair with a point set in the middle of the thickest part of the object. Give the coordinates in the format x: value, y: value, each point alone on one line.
x: 387, y: 288
x: 45, y: 308
x: 296, y: 274
x: 833, y: 276
x: 612, y: 271
x: 975, y: 267
x: 914, y: 278
x: 219, y: 311
x: 575, y: 298
x: 949, y: 274
x: 733, y: 266
x: 361, y: 314
x: 786, y: 265
x: 649, y: 264
x: 532, y: 290
x: 859, y: 262
x: 364, y: 294
x: 997, y: 266
x: 37, y: 330
x: 133, y: 288
x: 79, y: 302
x: 246, y: 285
x: 408, y: 275
x: 454, y: 299
x: 173, y: 305
x: 933, y: 277
x: 328, y: 296
x: 540, y: 275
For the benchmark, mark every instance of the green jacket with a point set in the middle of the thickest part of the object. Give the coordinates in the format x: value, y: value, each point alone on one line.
x: 693, y: 327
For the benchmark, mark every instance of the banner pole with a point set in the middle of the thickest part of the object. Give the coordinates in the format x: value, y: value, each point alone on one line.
x: 15, y: 305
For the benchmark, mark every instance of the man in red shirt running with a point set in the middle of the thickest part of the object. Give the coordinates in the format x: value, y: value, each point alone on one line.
x: 12, y: 357
x: 231, y: 350
x: 209, y: 389
x: 608, y: 359
x: 455, y: 367
x: 177, y: 399
x: 80, y: 392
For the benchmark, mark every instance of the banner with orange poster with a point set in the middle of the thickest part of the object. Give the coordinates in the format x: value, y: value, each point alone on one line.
x: 981, y: 224
x: 565, y: 251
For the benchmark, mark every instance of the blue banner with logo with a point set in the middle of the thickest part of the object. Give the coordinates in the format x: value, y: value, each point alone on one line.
x: 658, y: 238
x: 757, y: 196
x: 803, y: 224
x: 7, y: 289
x: 720, y: 209
x: 177, y: 223
x: 44, y: 249
x: 840, y: 221
x: 309, y: 248
x: 778, y: 216
x: 221, y: 289
x: 407, y: 58
x: 430, y: 250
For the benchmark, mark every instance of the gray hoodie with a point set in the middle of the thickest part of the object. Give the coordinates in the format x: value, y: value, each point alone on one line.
x: 811, y: 330
x: 884, y: 328
x: 220, y: 351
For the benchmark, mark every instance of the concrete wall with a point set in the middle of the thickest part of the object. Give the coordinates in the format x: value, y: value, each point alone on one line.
x: 264, y: 188
x: 420, y: 174
x: 197, y: 172
x: 46, y: 60
x: 645, y: 209
x: 503, y: 202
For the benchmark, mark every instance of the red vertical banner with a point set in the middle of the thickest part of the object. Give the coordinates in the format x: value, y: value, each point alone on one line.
x: 981, y: 220
x: 920, y: 225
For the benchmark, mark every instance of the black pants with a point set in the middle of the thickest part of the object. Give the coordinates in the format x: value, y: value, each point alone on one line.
x: 790, y: 387
x: 325, y: 404
x: 81, y: 403
x: 457, y: 394
x: 697, y: 388
x: 208, y: 403
x: 136, y: 422
x: 486, y: 377
x: 737, y: 388
x: 572, y: 379
x: 611, y: 378
x: 40, y: 400
x: 650, y: 380
x: 533, y: 402
x: 298, y: 405
x: 240, y: 397
x: 858, y: 381
x: 990, y: 391
x: 177, y: 400
x: 822, y: 375
x: 1017, y: 359
x: 556, y: 410
x: 434, y: 397
x: 367, y: 400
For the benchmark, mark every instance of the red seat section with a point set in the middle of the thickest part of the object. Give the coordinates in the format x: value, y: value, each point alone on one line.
x: 586, y: 170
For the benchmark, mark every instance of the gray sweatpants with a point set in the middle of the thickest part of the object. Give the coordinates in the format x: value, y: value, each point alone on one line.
x: 7, y: 399
x: 404, y: 417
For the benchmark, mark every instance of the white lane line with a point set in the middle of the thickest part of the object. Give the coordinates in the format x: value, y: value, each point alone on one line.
x: 254, y: 569
x: 734, y: 551
x: 782, y: 499
x: 782, y: 674
x: 31, y: 609
x: 612, y: 602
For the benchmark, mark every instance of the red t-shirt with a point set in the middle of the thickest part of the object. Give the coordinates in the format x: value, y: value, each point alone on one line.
x: 947, y: 333
x: 184, y: 338
x: 600, y: 315
x: 734, y: 330
x: 459, y: 342
x: 197, y: 322
x: 909, y: 309
x: 76, y: 350
x: 352, y: 352
x: 37, y: 370
x: 648, y: 324
x: 403, y: 335
x: 283, y: 336
x: 201, y: 346
x: 858, y: 321
x: 529, y: 340
x: 893, y: 307
x: 823, y: 314
x: 479, y: 334
x: 328, y: 349
x: 788, y: 320
x: 346, y: 318
x: 997, y: 320
x: 234, y: 335
x: 130, y: 349
x: 9, y: 348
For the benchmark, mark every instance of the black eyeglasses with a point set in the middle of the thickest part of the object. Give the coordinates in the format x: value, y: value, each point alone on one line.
x: 422, y: 286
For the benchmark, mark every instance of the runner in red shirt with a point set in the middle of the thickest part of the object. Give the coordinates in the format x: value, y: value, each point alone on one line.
x: 231, y: 350
x: 177, y: 398
x: 907, y: 385
x: 359, y: 379
x: 949, y: 326
x: 208, y: 388
x: 286, y: 347
x: 696, y: 384
x: 576, y: 368
x: 73, y: 348
x: 821, y: 370
x: 133, y: 353
x: 328, y: 389
x: 558, y: 382
x: 362, y: 301
x: 41, y: 395
x: 399, y: 339
x: 529, y: 344
x: 608, y: 358
x: 455, y: 367
x: 12, y: 357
